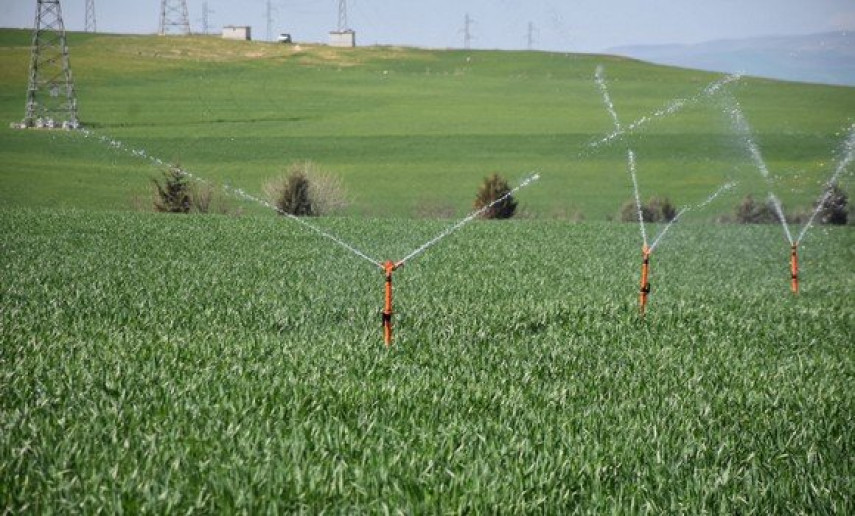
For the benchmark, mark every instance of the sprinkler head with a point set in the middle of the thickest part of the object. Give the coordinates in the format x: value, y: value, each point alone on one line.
x: 389, y: 267
x: 794, y: 267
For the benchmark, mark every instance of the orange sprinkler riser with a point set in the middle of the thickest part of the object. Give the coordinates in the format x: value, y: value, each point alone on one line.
x: 794, y: 267
x: 388, y: 268
x: 645, y: 274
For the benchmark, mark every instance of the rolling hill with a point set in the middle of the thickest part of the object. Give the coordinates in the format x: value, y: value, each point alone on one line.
x: 410, y: 132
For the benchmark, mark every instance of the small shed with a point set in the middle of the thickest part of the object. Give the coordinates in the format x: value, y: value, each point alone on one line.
x: 343, y: 38
x: 240, y: 32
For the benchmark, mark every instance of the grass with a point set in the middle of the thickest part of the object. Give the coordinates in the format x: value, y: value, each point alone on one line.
x: 186, y: 363
x: 409, y: 131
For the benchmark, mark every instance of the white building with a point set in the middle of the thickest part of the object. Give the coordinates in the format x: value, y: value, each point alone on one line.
x: 242, y: 33
x: 344, y: 38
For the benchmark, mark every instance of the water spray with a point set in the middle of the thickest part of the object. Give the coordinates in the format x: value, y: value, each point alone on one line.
x: 848, y: 157
x: 669, y: 109
x: 723, y: 188
x: 466, y: 220
x: 741, y: 125
x: 389, y: 267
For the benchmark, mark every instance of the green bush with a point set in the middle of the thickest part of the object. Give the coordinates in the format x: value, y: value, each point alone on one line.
x: 178, y: 193
x: 306, y: 190
x: 492, y: 189
x: 294, y: 198
x: 657, y: 209
x: 749, y: 211
x: 661, y: 209
x: 835, y: 210
x: 172, y: 195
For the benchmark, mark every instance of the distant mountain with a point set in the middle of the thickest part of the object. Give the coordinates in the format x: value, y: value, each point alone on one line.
x: 827, y: 58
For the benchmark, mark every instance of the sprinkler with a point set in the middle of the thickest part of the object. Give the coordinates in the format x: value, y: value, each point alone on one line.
x: 794, y: 267
x: 388, y: 268
x: 645, y: 273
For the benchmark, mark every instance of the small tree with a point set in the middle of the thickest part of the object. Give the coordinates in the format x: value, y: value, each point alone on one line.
x: 294, y: 198
x: 173, y: 194
x: 493, y: 188
x: 835, y: 209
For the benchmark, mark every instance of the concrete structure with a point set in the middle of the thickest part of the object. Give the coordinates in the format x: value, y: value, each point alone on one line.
x: 343, y: 38
x: 243, y: 33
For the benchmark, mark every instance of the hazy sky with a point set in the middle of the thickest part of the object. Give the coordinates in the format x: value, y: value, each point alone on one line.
x: 571, y: 25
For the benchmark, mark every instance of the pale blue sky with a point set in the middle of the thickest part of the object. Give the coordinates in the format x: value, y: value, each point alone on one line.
x: 563, y: 25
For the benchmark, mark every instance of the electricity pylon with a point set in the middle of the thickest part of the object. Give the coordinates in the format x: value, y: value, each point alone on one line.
x: 173, y: 17
x: 467, y: 31
x: 90, y: 17
x: 51, y: 102
x: 205, y: 17
x: 342, y: 15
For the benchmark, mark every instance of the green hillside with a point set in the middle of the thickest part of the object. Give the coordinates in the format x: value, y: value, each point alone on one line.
x: 411, y: 132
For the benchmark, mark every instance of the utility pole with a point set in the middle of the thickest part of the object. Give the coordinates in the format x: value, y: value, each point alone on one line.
x: 205, y: 20
x: 51, y: 102
x: 342, y: 15
x: 89, y: 26
x: 173, y: 17
x: 467, y: 31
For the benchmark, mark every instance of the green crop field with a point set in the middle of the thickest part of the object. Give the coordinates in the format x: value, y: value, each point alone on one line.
x: 410, y: 132
x: 218, y: 364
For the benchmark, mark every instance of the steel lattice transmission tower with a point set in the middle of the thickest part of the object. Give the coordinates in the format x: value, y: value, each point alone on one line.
x: 51, y: 101
x: 342, y: 15
x: 530, y: 36
x: 467, y: 31
x: 206, y: 12
x: 173, y: 17
x: 90, y: 17
x: 268, y: 14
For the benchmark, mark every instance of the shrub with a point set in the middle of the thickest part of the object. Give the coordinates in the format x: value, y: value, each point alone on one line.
x: 295, y: 197
x: 207, y: 198
x: 493, y: 188
x: 661, y: 209
x: 173, y: 194
x: 629, y: 212
x: 177, y: 193
x: 750, y: 211
x: 305, y: 190
x: 835, y: 210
